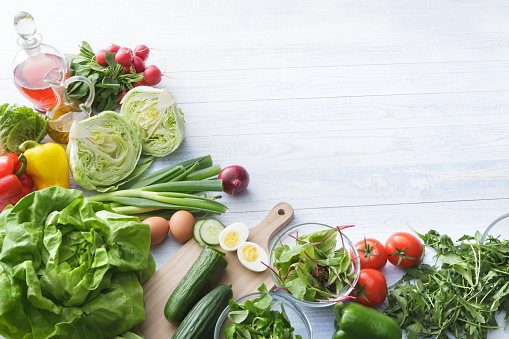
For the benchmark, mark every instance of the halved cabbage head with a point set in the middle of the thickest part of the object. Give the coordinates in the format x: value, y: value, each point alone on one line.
x: 154, y: 112
x: 103, y: 151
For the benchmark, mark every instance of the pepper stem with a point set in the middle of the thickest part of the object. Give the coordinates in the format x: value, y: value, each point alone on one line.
x: 23, y: 167
x: 338, y: 309
x: 28, y: 144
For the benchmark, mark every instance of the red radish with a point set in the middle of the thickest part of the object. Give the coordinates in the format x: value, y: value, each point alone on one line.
x: 139, y: 83
x: 127, y: 69
x: 121, y: 95
x: 99, y: 56
x: 152, y: 75
x: 124, y: 56
x: 113, y: 48
x: 142, y: 51
x: 138, y: 64
x: 235, y: 179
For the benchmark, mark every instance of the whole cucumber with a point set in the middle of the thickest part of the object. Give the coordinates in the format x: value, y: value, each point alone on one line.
x: 200, y: 322
x: 197, y: 282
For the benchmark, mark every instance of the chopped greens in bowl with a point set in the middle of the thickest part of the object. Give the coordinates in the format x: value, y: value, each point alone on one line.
x: 263, y: 315
x: 310, y: 263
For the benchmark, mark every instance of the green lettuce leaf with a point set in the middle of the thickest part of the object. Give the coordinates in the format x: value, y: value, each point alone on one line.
x: 70, y: 268
x: 17, y: 125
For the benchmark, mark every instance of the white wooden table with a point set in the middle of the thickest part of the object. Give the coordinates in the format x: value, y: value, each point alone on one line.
x: 386, y: 114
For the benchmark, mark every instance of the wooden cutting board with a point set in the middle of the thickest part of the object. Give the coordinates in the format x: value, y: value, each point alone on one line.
x: 159, y: 287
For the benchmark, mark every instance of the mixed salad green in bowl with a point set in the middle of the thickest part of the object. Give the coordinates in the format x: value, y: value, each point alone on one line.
x: 262, y: 315
x: 311, y: 264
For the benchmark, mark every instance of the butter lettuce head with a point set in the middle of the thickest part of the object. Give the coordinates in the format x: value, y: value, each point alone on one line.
x: 70, y: 268
x: 103, y: 151
x: 154, y: 113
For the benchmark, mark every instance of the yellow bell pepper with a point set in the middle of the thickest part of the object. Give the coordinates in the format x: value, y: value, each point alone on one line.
x: 47, y: 164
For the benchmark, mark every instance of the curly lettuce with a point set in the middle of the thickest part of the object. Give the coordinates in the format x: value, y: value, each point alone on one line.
x: 70, y: 268
x: 154, y: 112
x: 17, y: 125
x: 103, y: 151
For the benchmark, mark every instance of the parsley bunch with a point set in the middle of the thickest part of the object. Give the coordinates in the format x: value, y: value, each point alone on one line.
x: 459, y: 298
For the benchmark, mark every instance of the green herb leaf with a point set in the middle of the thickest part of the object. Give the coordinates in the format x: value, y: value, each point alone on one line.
x: 80, y: 90
x: 86, y: 50
x: 459, y: 298
x: 238, y: 316
x: 110, y: 59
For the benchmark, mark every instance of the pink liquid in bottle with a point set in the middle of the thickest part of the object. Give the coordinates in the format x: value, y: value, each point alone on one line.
x: 28, y: 78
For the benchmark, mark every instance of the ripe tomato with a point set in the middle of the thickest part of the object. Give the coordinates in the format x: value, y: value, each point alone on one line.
x: 371, y: 289
x: 403, y: 249
x: 371, y: 253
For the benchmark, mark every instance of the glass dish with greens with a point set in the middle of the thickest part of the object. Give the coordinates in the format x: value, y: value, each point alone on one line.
x: 263, y: 315
x: 311, y: 264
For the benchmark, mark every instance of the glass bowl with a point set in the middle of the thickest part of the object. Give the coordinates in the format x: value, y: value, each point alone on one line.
x: 286, y: 238
x: 498, y: 228
x: 298, y: 319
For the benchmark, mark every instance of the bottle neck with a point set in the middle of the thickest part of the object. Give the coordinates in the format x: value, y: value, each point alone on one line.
x: 31, y: 46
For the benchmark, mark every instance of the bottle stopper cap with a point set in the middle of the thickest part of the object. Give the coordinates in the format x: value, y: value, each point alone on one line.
x: 25, y: 26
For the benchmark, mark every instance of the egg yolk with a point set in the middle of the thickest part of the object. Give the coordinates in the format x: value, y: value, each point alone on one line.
x: 231, y: 238
x: 249, y: 253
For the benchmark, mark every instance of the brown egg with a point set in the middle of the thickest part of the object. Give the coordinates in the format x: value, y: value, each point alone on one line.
x: 181, y: 226
x: 159, y: 228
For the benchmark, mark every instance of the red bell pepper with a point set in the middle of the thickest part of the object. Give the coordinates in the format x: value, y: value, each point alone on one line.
x: 15, y: 183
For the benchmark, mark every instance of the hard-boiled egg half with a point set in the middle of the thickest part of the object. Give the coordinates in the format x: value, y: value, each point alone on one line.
x: 251, y: 256
x: 232, y: 236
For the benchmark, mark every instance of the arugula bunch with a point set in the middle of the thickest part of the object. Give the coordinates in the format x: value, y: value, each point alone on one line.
x: 313, y: 269
x: 461, y: 297
x: 108, y: 81
x: 256, y: 319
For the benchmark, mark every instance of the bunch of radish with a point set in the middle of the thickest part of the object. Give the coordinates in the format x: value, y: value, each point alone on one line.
x: 133, y: 61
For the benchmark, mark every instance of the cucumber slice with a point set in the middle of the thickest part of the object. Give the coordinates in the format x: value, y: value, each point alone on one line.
x: 196, y: 232
x: 209, y: 231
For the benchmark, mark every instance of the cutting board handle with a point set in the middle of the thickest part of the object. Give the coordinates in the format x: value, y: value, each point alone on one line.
x: 278, y: 217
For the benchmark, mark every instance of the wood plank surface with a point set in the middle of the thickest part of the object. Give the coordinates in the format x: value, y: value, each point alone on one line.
x: 387, y: 114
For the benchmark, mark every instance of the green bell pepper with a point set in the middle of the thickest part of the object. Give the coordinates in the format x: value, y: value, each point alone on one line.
x: 358, y: 321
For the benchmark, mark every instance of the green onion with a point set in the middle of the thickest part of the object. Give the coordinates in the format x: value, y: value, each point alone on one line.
x: 168, y: 173
x: 187, y: 186
x: 185, y: 173
x: 178, y: 187
x: 205, y: 173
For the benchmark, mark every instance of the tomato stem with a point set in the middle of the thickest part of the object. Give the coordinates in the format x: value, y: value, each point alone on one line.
x: 401, y: 254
